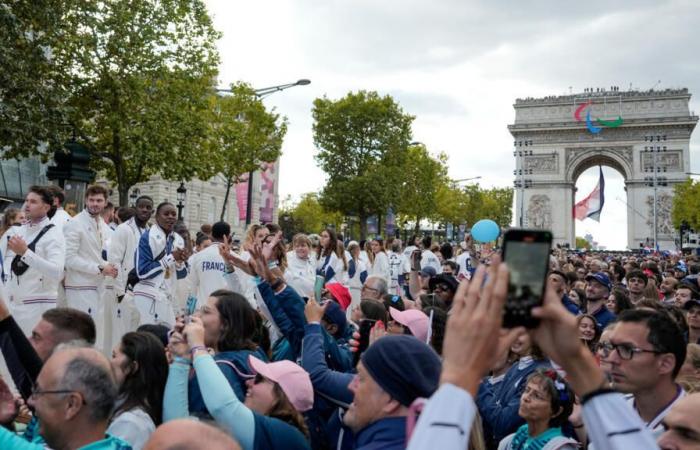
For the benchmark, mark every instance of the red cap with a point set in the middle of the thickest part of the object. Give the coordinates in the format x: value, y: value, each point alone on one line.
x: 341, y: 294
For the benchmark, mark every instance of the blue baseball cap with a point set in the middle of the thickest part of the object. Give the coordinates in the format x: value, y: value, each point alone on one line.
x: 601, y: 278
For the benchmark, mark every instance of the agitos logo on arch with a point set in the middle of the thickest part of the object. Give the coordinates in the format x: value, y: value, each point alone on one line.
x: 589, y: 123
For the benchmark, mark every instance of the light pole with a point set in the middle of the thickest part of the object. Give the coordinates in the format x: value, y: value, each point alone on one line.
x: 521, y: 183
x: 181, y: 195
x: 262, y: 93
x: 655, y: 180
x: 462, y: 180
x: 135, y: 192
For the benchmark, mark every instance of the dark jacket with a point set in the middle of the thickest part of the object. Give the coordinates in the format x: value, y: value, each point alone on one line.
x: 287, y: 309
x: 224, y: 360
x: 385, y: 434
x: 271, y: 433
x: 22, y: 360
x: 498, y: 404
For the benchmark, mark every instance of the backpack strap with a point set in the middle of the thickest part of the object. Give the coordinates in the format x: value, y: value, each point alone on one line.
x: 43, y: 231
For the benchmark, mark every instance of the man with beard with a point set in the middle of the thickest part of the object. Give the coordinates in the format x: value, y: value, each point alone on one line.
x: 160, y: 255
x: 87, y: 236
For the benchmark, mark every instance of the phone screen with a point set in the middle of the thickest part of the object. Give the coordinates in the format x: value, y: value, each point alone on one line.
x: 318, y: 287
x: 527, y: 257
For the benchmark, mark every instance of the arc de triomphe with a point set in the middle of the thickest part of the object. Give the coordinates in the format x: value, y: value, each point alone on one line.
x: 559, y: 137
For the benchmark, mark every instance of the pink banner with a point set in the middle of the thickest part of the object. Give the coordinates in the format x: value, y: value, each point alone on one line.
x: 242, y: 199
x: 267, y: 192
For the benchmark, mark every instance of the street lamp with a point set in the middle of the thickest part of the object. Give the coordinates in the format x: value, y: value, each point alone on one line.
x: 261, y: 93
x: 135, y: 192
x: 521, y: 182
x: 181, y: 194
x: 462, y: 180
x: 655, y: 180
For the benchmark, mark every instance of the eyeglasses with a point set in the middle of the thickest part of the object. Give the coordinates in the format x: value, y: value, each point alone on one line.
x: 36, y: 392
x: 367, y: 288
x: 442, y: 287
x: 626, y: 351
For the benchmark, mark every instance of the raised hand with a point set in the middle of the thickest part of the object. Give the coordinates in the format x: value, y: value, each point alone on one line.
x: 474, y: 325
x: 313, y: 311
x: 8, y: 404
x: 557, y: 336
x: 194, y: 332
x: 269, y: 245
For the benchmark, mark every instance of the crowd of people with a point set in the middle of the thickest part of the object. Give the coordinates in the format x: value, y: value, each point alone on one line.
x: 122, y: 329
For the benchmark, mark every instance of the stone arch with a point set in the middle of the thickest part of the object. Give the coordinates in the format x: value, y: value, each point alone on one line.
x: 600, y: 157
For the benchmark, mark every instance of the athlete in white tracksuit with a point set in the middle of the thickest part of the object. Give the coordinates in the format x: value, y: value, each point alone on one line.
x: 122, y: 250
x: 87, y: 236
x: 159, y: 256
x: 35, y: 290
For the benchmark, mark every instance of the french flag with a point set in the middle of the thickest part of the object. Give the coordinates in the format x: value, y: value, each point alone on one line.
x: 592, y: 205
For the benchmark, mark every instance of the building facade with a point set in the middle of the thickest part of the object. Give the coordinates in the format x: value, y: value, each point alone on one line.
x: 204, y: 199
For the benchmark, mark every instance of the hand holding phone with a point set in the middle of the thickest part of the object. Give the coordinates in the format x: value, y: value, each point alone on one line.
x: 526, y: 253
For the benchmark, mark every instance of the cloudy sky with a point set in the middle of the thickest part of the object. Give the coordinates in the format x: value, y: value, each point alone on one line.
x: 458, y: 66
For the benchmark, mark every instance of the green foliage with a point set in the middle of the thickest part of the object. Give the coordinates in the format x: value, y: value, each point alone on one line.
x: 137, y: 77
x: 32, y: 81
x: 581, y: 243
x: 362, y: 140
x: 308, y: 216
x: 686, y: 204
x: 472, y: 203
x: 243, y: 134
x: 422, y: 176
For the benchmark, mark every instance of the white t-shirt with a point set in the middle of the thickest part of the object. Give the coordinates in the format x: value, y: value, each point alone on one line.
x: 428, y: 258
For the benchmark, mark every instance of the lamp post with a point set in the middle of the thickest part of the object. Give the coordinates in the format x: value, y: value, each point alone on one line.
x: 181, y: 195
x: 655, y: 180
x: 262, y: 93
x: 521, y: 183
x: 135, y: 192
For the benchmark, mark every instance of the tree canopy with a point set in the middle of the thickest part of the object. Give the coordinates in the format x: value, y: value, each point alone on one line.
x: 362, y: 140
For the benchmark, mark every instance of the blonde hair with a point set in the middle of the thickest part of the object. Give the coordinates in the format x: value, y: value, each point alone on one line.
x: 301, y: 239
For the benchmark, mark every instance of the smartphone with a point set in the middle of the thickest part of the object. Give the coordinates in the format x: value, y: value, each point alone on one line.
x: 365, y: 328
x: 526, y: 252
x: 318, y: 287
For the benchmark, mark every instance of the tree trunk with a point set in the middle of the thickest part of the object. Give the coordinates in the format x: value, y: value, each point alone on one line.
x: 417, y: 228
x: 123, y: 190
x: 363, y: 227
x: 229, y: 183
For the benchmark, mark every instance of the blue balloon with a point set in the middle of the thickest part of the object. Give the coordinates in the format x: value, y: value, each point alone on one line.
x: 485, y: 230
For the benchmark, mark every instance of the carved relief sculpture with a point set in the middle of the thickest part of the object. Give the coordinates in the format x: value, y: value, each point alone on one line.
x: 539, y: 212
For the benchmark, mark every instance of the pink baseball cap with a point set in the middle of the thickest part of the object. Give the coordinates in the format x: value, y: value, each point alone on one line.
x: 415, y: 320
x: 292, y: 378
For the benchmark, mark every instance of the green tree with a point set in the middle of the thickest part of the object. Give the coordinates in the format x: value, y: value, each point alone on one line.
x: 582, y: 243
x: 308, y: 216
x: 361, y: 140
x: 243, y: 135
x: 422, y: 176
x: 497, y: 205
x: 32, y: 82
x: 686, y: 204
x: 138, y: 77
